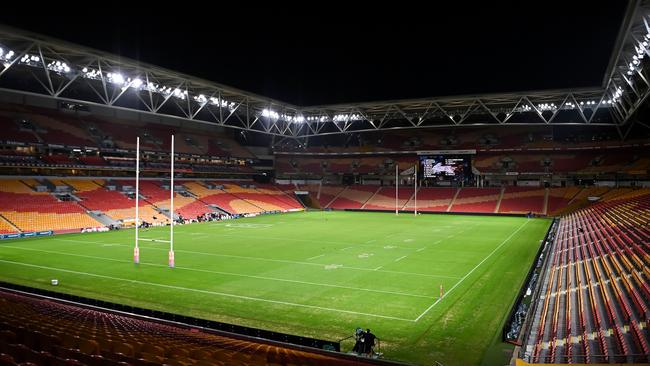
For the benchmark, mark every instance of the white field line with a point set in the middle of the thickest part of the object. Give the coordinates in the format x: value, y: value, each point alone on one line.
x: 316, y: 257
x: 288, y: 239
x: 259, y: 259
x: 472, y: 271
x: 434, y: 243
x: 224, y: 273
x: 222, y: 294
x: 378, y: 268
x: 308, y: 241
x: 400, y: 258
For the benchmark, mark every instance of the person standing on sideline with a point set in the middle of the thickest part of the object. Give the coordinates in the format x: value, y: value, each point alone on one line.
x: 368, y: 342
x: 358, y: 344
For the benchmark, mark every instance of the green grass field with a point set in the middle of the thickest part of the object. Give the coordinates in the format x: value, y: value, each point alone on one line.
x: 317, y: 274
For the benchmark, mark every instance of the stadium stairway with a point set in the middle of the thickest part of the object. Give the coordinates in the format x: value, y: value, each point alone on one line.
x: 224, y: 199
x: 371, y: 198
x: 7, y: 227
x: 279, y: 197
x: 249, y: 196
x: 116, y: 205
x: 496, y: 209
x: 384, y: 198
x: 409, y: 199
x: 159, y: 198
x: 353, y: 197
x: 431, y: 199
x: 546, y: 193
x: 28, y: 210
x: 480, y: 200
x: 309, y: 202
x: 102, y: 218
x: 453, y: 200
x: 324, y: 196
x: 208, y: 197
x: 521, y: 200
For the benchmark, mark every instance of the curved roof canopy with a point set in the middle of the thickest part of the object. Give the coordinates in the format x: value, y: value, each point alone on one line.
x: 35, y: 64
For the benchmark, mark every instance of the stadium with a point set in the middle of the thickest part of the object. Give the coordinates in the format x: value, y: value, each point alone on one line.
x: 153, y: 217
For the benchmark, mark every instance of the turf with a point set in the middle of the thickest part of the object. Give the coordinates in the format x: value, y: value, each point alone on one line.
x: 318, y: 274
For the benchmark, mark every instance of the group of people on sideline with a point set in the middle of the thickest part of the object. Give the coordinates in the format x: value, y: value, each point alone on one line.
x: 364, y: 342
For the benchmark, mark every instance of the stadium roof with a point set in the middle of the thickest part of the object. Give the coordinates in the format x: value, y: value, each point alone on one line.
x: 35, y: 64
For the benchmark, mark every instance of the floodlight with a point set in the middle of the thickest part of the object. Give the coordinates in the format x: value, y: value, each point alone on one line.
x: 136, y: 83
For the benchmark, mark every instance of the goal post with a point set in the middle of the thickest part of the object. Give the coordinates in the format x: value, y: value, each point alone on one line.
x: 171, y: 209
x: 396, y: 188
x: 415, y: 192
x: 136, y: 249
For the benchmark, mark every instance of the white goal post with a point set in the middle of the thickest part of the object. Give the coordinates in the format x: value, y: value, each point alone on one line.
x: 136, y: 249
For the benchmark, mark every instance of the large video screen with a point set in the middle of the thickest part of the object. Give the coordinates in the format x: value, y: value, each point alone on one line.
x: 444, y: 166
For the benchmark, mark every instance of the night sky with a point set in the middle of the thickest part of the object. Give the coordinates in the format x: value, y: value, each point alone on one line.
x: 349, y: 56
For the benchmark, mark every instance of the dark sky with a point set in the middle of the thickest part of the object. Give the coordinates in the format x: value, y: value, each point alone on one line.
x: 352, y: 56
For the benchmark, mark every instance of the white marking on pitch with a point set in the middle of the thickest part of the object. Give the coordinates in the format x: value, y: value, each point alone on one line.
x: 365, y: 255
x: 223, y: 294
x: 258, y: 258
x: 378, y: 268
x: 249, y: 226
x: 389, y: 247
x: 224, y: 273
x: 333, y: 266
x: 400, y: 258
x: 238, y: 234
x: 470, y: 272
x: 346, y: 248
x: 421, y: 249
x: 318, y: 256
x: 408, y: 240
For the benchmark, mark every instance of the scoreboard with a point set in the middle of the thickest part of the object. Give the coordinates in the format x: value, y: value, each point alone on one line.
x: 434, y: 167
x: 446, y: 167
